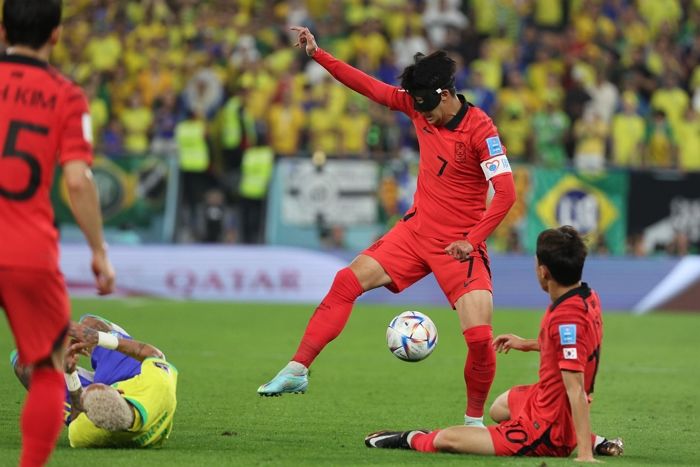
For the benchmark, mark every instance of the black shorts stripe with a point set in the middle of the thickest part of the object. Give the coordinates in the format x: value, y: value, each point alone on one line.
x: 544, y: 439
x: 485, y: 259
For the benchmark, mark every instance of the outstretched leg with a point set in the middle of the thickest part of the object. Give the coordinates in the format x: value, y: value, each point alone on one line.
x: 327, y: 322
x: 457, y: 439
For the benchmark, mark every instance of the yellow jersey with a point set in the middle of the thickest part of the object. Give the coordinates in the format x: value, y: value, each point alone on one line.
x: 152, y: 394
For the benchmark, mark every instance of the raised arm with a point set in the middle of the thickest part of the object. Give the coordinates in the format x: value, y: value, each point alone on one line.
x: 391, y: 96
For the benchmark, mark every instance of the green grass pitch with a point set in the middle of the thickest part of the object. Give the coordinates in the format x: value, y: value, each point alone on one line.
x: 646, y: 392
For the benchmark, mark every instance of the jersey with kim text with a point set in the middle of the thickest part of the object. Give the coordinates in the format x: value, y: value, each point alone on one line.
x: 44, y: 122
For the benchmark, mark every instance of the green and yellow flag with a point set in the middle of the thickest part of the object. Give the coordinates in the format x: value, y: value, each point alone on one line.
x: 595, y: 204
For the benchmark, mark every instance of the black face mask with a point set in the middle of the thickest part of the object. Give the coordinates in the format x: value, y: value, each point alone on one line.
x: 429, y: 99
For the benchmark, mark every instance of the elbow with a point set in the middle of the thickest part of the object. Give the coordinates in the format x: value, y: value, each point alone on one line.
x: 77, y: 182
x: 155, y: 353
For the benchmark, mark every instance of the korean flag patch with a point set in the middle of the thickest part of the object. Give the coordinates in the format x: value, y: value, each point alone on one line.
x: 570, y: 353
x: 567, y: 334
x: 494, y: 145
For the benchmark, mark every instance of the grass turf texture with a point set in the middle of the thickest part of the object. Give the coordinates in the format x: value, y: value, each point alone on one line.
x: 646, y: 389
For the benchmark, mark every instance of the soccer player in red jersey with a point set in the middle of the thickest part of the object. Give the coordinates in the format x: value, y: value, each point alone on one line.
x: 550, y: 417
x: 44, y: 121
x: 444, y: 232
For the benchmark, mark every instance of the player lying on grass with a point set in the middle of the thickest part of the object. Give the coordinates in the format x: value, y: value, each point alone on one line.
x: 550, y: 417
x: 127, y: 401
x: 443, y: 233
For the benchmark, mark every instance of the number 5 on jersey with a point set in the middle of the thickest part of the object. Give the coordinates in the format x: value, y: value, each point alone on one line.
x: 10, y: 150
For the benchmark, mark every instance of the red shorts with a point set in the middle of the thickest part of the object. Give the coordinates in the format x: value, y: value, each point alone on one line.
x: 521, y: 436
x: 36, y: 305
x: 408, y: 257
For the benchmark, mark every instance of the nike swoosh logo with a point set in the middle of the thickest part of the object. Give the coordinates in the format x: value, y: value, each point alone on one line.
x: 467, y: 283
x: 425, y: 128
x: 376, y: 439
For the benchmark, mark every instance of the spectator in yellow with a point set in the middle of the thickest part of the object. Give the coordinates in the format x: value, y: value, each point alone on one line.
x: 104, y: 50
x: 516, y: 93
x: 353, y: 127
x: 628, y: 131
x: 671, y: 99
x: 515, y: 104
x: 514, y: 127
x: 590, y: 133
x: 402, y: 16
x: 658, y: 12
x: 155, y: 82
x: 633, y: 29
x: 286, y: 120
x: 489, y: 66
x: 369, y: 44
x: 136, y: 120
x: 689, y: 141
x: 120, y: 87
x: 538, y: 72
x: 660, y: 142
x: 548, y: 14
x: 323, y: 128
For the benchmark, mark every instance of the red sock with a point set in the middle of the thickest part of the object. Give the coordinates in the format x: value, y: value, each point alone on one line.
x: 423, y: 442
x: 330, y: 316
x: 480, y: 368
x: 42, y: 416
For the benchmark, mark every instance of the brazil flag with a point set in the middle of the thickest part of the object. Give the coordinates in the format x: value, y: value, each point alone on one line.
x: 132, y: 191
x: 595, y: 204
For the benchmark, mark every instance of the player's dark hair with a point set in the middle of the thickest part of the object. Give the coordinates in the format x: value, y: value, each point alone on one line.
x: 30, y: 22
x: 433, y: 71
x: 563, y: 252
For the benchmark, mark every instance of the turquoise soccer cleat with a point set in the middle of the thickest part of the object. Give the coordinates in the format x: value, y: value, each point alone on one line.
x: 293, y: 379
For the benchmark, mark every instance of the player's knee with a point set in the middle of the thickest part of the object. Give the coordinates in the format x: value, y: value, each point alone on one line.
x: 447, y: 440
x: 499, y: 411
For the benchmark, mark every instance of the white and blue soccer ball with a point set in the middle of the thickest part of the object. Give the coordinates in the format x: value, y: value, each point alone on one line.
x: 411, y: 336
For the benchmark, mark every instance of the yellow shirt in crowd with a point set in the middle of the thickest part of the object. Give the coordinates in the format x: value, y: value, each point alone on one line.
x: 627, y: 134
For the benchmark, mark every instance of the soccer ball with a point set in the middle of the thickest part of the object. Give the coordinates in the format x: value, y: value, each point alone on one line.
x: 411, y: 336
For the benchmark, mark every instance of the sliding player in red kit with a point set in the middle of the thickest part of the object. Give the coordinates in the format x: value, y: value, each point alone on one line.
x: 552, y: 416
x: 445, y: 230
x: 44, y: 121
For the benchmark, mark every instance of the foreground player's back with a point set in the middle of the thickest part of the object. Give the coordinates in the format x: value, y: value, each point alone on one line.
x: 44, y: 120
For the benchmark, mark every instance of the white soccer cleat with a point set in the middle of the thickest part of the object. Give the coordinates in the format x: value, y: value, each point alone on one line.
x: 292, y: 379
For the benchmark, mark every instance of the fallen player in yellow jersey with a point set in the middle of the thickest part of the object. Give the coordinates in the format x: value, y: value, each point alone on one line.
x: 136, y: 410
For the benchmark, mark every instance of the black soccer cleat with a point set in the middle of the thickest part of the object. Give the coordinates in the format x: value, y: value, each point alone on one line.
x: 611, y: 447
x: 391, y: 439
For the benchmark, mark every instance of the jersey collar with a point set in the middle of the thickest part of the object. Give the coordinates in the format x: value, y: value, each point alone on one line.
x: 459, y: 116
x: 583, y: 291
x: 23, y: 60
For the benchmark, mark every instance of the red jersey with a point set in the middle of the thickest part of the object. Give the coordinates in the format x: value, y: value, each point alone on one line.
x: 44, y: 120
x: 457, y: 161
x: 570, y: 337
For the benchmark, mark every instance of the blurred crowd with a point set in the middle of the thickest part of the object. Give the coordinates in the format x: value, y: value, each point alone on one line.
x: 583, y: 83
